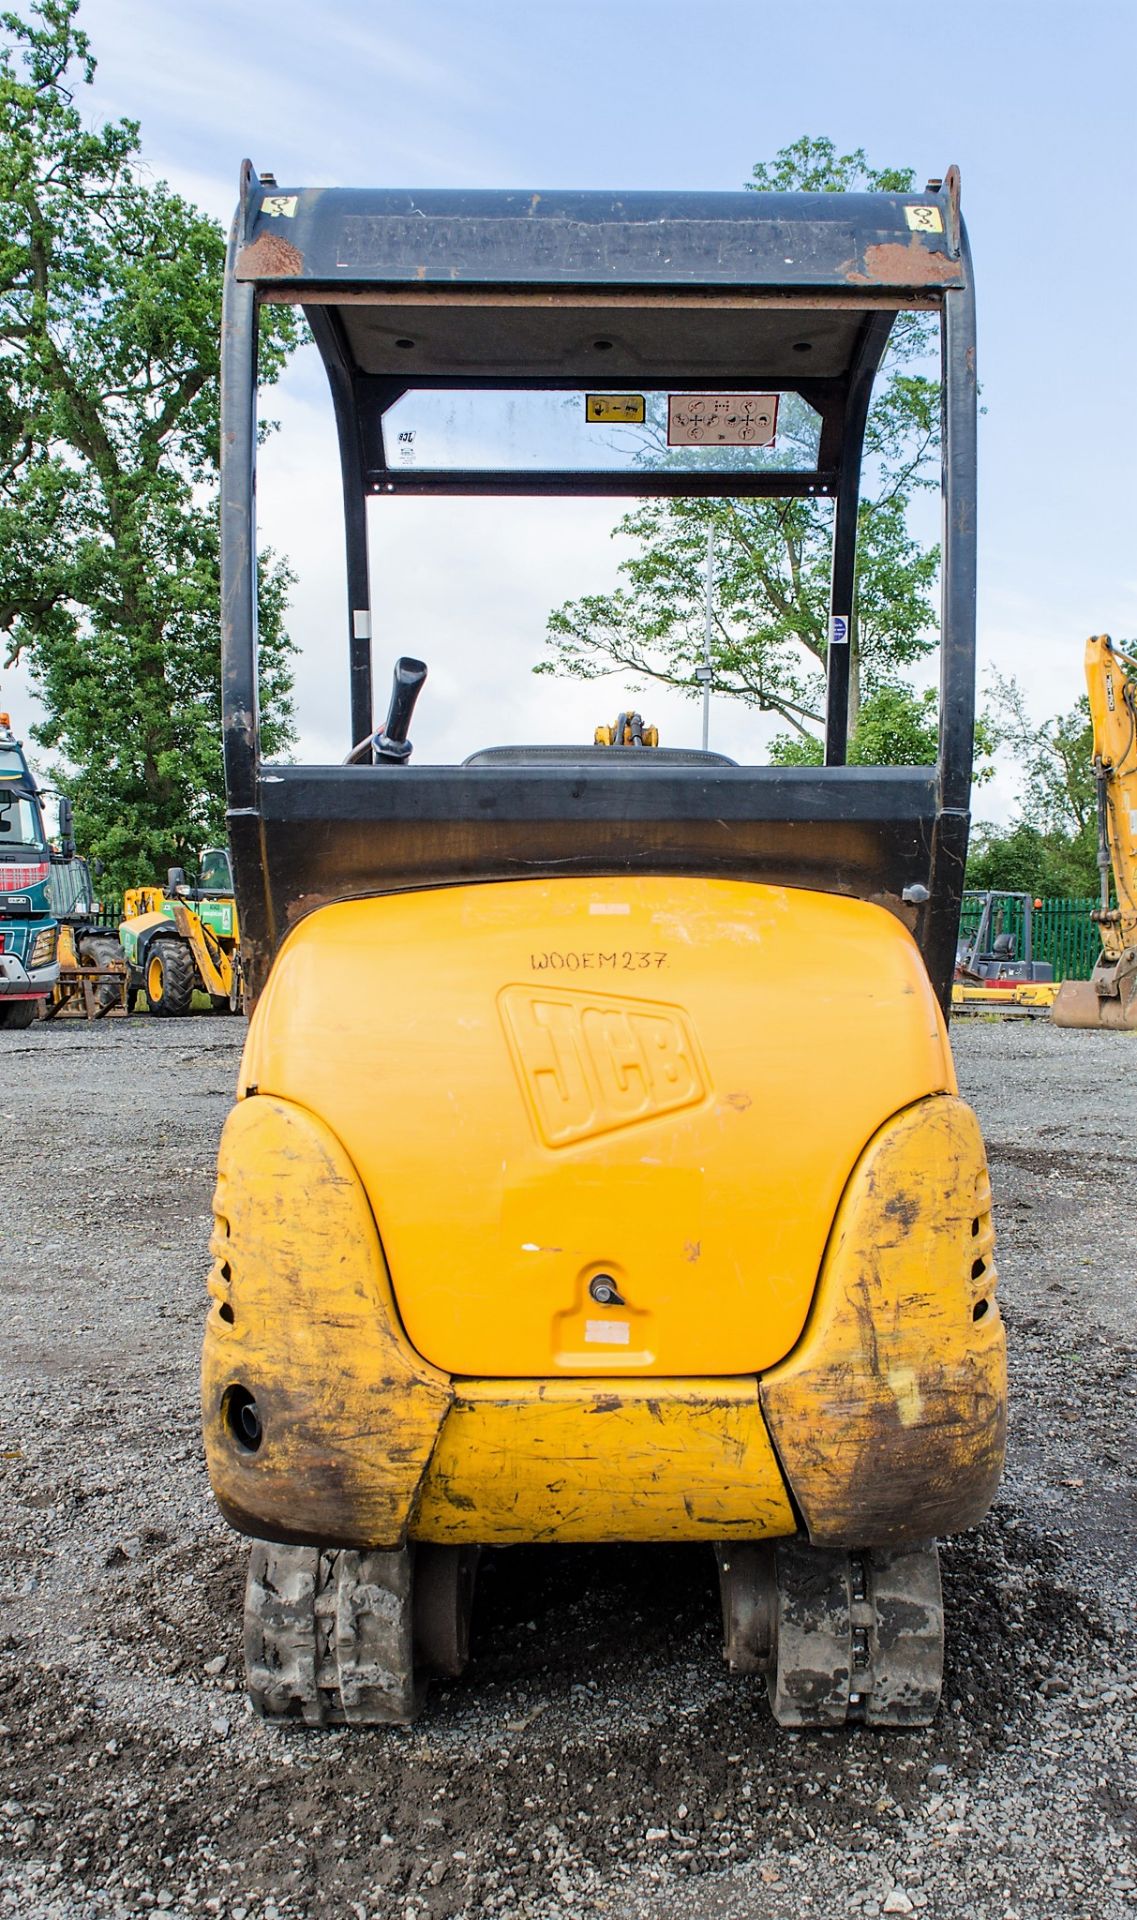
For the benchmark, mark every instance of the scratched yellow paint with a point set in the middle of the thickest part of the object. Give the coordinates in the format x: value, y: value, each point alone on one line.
x: 302, y: 1319
x: 665, y: 1080
x: 889, y: 1417
x: 623, y: 1460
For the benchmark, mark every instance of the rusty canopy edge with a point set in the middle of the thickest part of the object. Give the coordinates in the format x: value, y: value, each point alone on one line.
x: 361, y: 237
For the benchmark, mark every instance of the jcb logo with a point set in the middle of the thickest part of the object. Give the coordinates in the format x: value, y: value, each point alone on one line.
x: 592, y: 1062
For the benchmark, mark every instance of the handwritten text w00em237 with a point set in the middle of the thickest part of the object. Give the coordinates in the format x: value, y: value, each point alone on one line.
x: 572, y: 960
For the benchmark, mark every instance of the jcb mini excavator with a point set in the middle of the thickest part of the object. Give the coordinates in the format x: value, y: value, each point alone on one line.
x: 628, y: 1195
x: 1109, y: 997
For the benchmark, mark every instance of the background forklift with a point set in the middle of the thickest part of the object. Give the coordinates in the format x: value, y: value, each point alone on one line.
x: 183, y: 939
x: 628, y: 1196
x: 995, y: 967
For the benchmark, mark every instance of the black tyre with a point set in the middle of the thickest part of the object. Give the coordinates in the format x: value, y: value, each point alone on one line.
x: 103, y: 951
x: 168, y: 978
x: 18, y: 1013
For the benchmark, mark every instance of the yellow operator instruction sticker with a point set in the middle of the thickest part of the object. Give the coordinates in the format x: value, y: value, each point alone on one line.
x: 609, y: 409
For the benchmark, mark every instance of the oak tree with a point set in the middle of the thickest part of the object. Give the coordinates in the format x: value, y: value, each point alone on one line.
x: 110, y: 308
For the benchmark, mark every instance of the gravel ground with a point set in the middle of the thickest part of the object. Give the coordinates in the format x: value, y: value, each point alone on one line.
x: 596, y: 1758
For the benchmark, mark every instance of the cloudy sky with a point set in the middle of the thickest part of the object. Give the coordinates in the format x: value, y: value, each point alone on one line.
x: 1031, y: 98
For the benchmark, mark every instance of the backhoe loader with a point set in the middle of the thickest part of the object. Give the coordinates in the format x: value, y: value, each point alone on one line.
x: 628, y: 1196
x: 1109, y: 997
x: 183, y: 939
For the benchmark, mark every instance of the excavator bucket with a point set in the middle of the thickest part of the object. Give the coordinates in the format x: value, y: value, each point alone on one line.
x: 1079, y: 1004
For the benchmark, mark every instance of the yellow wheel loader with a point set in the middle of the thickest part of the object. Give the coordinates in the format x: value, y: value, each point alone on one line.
x: 185, y: 939
x: 1109, y: 997
x: 629, y: 1195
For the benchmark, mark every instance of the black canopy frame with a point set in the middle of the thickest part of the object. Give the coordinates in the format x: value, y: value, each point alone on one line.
x: 687, y: 292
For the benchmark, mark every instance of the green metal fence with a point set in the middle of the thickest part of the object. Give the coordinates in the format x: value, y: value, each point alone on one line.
x: 1063, y: 932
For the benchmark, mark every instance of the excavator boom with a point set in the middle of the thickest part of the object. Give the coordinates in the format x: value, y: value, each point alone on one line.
x: 1109, y: 997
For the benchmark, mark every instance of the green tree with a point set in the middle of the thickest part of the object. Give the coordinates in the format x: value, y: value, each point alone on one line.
x: 1059, y: 793
x: 110, y: 308
x: 1023, y: 859
x: 1051, y: 845
x: 770, y: 601
x: 895, y: 727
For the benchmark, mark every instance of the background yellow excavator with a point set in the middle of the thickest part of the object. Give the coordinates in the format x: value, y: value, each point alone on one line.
x: 1109, y: 997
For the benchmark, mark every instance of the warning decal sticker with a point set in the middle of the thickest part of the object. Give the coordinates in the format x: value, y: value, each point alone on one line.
x: 611, y: 408
x: 924, y: 219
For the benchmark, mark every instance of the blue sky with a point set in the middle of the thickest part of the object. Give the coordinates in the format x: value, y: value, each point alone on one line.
x: 1033, y: 101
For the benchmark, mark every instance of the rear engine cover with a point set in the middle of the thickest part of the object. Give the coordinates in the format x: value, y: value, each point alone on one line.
x: 603, y: 1125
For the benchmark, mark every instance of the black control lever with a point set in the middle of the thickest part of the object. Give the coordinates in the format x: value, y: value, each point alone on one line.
x: 390, y: 745
x: 391, y: 742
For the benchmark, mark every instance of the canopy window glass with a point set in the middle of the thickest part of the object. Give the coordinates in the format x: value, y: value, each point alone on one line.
x: 619, y: 345
x: 607, y: 431
x: 69, y: 888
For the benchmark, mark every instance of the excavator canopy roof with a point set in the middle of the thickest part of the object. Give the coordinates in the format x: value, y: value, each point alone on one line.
x: 615, y: 344
x: 409, y: 291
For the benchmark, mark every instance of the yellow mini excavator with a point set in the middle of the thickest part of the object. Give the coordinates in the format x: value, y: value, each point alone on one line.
x: 1109, y: 997
x: 628, y: 1194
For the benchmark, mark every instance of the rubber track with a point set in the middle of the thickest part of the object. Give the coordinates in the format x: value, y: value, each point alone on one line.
x: 328, y: 1636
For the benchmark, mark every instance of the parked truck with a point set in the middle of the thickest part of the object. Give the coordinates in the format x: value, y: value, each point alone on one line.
x: 29, y: 935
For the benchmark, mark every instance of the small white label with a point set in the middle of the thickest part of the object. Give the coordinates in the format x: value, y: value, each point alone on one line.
x: 924, y: 219
x: 838, y: 629
x: 609, y: 906
x: 279, y: 204
x: 608, y: 1333
x: 361, y: 623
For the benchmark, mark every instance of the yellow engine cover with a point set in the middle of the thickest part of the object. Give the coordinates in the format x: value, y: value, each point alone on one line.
x: 662, y: 1082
